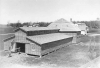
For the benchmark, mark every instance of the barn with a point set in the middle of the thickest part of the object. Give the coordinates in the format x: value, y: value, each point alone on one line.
x: 37, y: 40
x: 67, y: 27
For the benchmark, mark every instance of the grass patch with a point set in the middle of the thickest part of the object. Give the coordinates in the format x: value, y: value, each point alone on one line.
x: 94, y: 31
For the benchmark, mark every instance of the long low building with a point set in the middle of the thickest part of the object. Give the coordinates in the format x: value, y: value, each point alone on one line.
x: 39, y: 41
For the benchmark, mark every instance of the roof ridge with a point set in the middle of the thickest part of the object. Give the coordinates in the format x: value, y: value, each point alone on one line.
x: 61, y: 20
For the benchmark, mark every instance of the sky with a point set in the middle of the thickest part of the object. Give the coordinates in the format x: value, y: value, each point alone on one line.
x: 48, y: 10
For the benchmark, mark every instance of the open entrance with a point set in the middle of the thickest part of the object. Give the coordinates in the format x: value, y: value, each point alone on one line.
x: 20, y: 47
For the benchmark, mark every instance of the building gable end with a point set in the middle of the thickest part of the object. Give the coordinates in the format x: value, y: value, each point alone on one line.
x: 21, y: 30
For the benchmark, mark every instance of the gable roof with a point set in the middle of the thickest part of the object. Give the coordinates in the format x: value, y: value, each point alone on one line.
x: 63, y: 25
x: 47, y: 38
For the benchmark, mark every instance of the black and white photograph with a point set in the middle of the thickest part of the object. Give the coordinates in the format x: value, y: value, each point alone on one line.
x: 49, y: 33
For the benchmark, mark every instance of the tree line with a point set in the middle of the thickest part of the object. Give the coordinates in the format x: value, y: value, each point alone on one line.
x: 90, y: 24
x: 28, y: 24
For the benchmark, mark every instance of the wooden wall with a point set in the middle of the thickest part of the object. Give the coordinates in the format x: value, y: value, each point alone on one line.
x: 74, y: 36
x: 55, y: 48
x: 7, y: 44
x: 33, y: 49
x: 71, y: 32
x: 55, y: 45
x: 20, y: 36
x: 20, y: 32
x: 31, y: 33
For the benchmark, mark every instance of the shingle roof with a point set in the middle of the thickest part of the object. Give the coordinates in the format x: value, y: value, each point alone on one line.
x: 42, y: 39
x: 64, y: 25
x: 37, y: 28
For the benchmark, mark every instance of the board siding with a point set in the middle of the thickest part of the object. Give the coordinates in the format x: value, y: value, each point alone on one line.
x: 71, y: 32
x: 32, y: 33
x: 7, y: 44
x: 33, y: 49
x: 21, y: 33
x: 74, y: 37
x: 54, y: 48
x: 20, y: 36
x: 56, y: 43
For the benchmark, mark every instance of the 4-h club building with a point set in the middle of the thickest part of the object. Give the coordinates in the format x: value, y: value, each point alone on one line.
x: 40, y: 40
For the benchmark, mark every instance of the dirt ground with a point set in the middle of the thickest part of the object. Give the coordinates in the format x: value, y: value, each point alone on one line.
x: 72, y: 56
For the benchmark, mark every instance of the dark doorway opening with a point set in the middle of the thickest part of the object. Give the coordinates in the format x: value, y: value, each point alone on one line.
x: 20, y: 47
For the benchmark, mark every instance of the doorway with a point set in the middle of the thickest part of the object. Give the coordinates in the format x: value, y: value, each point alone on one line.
x: 20, y: 47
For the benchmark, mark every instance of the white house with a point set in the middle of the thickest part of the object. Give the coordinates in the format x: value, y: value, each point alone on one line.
x: 83, y: 27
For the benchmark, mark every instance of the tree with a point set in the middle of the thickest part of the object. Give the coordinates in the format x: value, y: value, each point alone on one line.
x: 15, y: 25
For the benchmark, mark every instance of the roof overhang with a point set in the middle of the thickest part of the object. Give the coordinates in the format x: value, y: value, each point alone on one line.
x: 9, y: 38
x: 69, y: 31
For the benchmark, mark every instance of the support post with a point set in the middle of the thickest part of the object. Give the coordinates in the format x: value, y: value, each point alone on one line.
x: 9, y: 52
x: 40, y: 56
